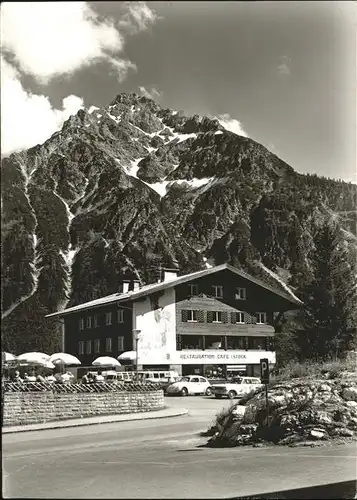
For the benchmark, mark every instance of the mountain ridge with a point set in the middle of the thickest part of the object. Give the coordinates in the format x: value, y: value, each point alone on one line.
x: 123, y: 189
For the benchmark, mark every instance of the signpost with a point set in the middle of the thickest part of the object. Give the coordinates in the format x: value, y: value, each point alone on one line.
x: 137, y: 337
x: 264, y: 378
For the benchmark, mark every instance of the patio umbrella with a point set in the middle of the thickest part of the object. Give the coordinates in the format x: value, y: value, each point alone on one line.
x: 7, y: 357
x: 128, y: 356
x: 106, y: 361
x: 33, y: 357
x: 64, y: 358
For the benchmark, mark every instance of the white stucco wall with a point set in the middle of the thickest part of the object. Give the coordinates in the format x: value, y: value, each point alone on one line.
x: 157, y: 340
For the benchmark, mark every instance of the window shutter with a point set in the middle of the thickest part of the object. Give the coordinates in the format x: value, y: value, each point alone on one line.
x: 184, y: 315
x: 209, y: 316
x: 233, y: 318
x: 201, y: 316
x: 224, y: 317
x: 179, y: 342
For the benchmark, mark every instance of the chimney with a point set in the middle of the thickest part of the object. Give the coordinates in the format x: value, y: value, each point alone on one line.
x: 170, y: 273
x: 124, y: 286
x: 136, y: 285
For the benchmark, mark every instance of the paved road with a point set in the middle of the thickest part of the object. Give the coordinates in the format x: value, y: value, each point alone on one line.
x: 159, y: 459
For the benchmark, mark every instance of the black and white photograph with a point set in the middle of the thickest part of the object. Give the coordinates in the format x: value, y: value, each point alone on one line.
x: 179, y: 249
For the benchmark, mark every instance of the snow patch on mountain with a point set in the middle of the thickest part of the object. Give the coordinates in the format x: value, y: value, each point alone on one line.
x: 91, y: 109
x: 195, y: 182
x: 115, y: 118
x: 159, y: 187
x: 279, y: 280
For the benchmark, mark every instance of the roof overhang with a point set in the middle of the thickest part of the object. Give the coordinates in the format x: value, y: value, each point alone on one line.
x: 292, y: 301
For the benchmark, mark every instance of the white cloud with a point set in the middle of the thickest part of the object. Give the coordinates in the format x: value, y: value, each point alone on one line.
x: 231, y: 124
x: 150, y: 94
x: 48, y: 40
x: 284, y: 67
x: 28, y: 119
x: 138, y: 17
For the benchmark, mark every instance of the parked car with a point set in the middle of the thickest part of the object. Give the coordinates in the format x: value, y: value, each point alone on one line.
x: 192, y: 384
x: 237, y: 387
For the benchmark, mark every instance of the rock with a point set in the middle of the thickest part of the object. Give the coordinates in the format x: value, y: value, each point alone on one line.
x: 324, y: 387
x: 343, y: 432
x: 322, y: 417
x: 317, y: 434
x: 350, y: 394
x: 352, y: 404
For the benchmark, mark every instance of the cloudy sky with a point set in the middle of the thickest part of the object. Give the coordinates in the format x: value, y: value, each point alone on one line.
x: 282, y: 73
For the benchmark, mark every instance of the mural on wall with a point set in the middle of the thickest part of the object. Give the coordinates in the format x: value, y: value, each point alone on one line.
x: 157, y: 325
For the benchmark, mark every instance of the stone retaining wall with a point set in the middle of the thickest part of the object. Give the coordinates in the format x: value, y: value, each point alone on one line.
x: 22, y: 408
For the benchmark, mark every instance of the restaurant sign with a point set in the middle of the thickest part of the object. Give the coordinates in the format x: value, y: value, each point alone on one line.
x: 220, y: 357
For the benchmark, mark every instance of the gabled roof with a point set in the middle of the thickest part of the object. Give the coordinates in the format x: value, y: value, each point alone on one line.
x: 157, y: 287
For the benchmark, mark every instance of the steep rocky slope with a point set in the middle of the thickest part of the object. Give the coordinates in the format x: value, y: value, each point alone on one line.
x: 122, y: 189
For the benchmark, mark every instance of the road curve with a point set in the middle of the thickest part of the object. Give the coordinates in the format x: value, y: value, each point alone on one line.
x: 159, y: 459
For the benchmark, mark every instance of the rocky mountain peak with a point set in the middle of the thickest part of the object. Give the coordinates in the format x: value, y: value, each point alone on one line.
x: 122, y: 188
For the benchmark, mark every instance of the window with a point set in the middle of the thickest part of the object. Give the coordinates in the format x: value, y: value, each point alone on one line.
x: 240, y: 317
x: 97, y: 345
x: 241, y: 294
x: 257, y: 343
x: 108, y: 344
x: 192, y: 315
x: 195, y: 379
x: 81, y: 347
x: 120, y: 343
x: 218, y: 291
x: 217, y: 317
x: 193, y: 289
x: 108, y: 318
x: 89, y: 347
x: 89, y: 321
x: 120, y: 315
x: 96, y: 321
x: 237, y: 317
x: 81, y: 324
x: 261, y: 318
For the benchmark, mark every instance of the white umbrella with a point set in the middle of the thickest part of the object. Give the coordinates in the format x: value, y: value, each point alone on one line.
x: 105, y: 361
x: 9, y: 357
x: 33, y: 357
x: 64, y: 358
x: 129, y: 355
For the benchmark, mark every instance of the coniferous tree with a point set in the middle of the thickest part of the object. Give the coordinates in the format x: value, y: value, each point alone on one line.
x: 330, y: 298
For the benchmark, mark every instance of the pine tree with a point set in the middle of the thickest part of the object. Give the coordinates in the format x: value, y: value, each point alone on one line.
x: 329, y: 314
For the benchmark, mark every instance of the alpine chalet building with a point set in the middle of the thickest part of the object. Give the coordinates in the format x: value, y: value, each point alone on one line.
x: 217, y: 320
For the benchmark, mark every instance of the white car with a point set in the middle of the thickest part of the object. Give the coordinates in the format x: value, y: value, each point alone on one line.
x: 192, y: 384
x: 238, y: 387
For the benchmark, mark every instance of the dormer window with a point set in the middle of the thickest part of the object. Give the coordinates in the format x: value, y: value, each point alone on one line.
x: 241, y: 294
x: 217, y: 291
x: 261, y: 318
x: 192, y: 316
x: 193, y: 289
